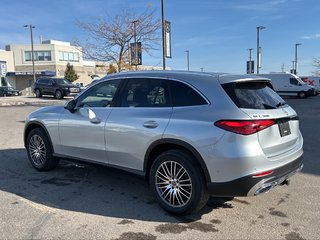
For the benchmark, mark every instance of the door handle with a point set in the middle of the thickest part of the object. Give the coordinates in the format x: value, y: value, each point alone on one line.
x: 151, y: 124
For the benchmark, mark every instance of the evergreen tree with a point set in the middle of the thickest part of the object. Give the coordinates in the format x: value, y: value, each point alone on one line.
x: 70, y: 73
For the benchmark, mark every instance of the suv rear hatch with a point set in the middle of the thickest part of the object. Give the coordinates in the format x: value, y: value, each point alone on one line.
x: 259, y: 101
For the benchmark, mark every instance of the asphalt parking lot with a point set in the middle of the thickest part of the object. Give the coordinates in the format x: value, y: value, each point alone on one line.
x: 81, y: 201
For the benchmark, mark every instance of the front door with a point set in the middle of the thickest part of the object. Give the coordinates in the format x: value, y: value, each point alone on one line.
x: 82, y: 132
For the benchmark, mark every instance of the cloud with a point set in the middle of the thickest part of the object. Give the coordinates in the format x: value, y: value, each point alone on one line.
x: 311, y: 37
x: 262, y: 6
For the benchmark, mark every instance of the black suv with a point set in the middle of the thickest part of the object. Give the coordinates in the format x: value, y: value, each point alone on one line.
x: 58, y: 87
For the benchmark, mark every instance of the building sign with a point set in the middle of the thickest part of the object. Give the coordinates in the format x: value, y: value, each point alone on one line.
x: 38, y: 73
x: 136, y: 53
x: 167, y: 26
x: 3, y: 68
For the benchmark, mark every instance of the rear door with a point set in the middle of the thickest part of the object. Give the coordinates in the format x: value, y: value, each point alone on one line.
x: 259, y: 101
x: 140, y: 119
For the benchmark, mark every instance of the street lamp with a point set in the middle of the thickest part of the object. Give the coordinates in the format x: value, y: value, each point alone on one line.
x: 32, y: 51
x: 296, y: 58
x: 259, y: 48
x: 188, y: 62
x: 163, y: 36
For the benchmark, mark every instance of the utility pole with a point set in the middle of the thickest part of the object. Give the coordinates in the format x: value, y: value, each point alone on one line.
x: 296, y: 58
x: 32, y: 51
x: 250, y: 55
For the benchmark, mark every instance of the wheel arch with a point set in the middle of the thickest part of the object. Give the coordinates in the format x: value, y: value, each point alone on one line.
x: 33, y: 125
x: 166, y: 144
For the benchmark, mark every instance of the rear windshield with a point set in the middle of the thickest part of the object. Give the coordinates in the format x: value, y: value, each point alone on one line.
x: 254, y: 95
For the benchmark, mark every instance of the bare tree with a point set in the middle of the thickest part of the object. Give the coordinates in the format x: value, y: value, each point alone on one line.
x: 316, y: 64
x: 110, y: 38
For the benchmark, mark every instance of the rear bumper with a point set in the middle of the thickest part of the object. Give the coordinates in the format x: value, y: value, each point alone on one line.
x: 251, y: 186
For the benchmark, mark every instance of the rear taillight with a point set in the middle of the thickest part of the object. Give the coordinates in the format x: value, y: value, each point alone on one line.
x: 244, y: 127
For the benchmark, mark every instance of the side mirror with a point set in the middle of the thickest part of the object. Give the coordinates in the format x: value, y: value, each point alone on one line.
x: 70, y: 105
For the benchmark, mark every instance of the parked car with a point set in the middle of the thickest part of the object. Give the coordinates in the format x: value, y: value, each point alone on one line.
x: 189, y: 134
x: 8, y: 91
x: 58, y: 87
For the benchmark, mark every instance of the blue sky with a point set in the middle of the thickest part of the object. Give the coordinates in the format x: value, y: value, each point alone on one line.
x: 217, y: 33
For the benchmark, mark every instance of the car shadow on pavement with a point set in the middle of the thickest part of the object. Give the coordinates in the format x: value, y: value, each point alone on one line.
x: 88, y: 188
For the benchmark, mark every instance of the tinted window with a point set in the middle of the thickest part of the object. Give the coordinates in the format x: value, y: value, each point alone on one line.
x: 100, y: 95
x: 253, y: 95
x: 42, y: 81
x: 294, y: 81
x: 61, y: 81
x: 145, y: 93
x: 183, y: 95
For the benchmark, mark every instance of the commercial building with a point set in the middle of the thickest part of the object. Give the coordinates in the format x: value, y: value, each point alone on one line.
x: 51, y: 58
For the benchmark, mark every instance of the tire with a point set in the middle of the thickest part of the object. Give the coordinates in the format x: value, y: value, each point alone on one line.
x: 183, y: 193
x: 38, y: 93
x: 58, y: 94
x: 40, y: 151
x: 302, y: 95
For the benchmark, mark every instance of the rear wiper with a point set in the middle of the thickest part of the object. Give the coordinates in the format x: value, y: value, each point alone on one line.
x: 281, y: 104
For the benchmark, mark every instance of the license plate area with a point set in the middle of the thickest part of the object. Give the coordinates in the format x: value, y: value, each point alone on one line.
x: 284, y: 129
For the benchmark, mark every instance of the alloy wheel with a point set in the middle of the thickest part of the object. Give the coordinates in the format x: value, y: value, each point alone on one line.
x: 173, y: 184
x: 37, y: 150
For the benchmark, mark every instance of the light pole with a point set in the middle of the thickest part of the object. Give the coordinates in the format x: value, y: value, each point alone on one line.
x: 250, y: 55
x: 296, y: 58
x: 188, y: 62
x: 258, y: 47
x: 163, y: 37
x: 135, y: 44
x: 32, y: 51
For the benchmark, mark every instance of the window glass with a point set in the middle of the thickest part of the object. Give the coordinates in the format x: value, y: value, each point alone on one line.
x: 145, y: 93
x: 100, y: 95
x: 76, y: 57
x: 38, y: 56
x: 253, y: 95
x: 69, y: 56
x: 294, y: 81
x: 62, y: 81
x: 60, y: 56
x: 27, y: 56
x: 183, y: 95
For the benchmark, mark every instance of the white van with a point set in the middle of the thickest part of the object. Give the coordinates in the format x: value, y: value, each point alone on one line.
x: 313, y: 81
x: 288, y: 84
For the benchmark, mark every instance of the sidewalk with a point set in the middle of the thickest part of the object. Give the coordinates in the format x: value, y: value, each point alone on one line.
x: 31, y: 101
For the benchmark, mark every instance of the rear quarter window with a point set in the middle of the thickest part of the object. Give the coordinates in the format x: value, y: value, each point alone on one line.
x: 253, y: 95
x: 184, y: 95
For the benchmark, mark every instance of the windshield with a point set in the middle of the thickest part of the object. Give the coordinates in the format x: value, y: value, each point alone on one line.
x: 254, y: 95
x: 62, y: 81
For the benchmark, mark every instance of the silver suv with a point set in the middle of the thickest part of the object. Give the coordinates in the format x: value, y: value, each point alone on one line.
x: 190, y: 134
